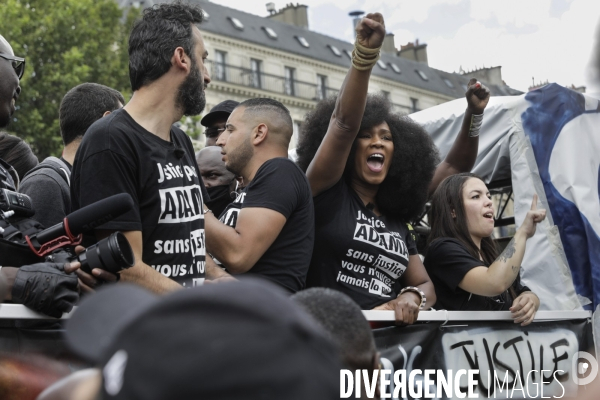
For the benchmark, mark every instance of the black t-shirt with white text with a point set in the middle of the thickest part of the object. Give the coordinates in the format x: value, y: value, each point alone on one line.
x: 447, y: 261
x: 356, y: 251
x: 117, y: 155
x: 281, y: 186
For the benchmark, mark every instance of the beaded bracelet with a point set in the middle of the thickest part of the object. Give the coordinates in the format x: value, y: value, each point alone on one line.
x: 417, y: 291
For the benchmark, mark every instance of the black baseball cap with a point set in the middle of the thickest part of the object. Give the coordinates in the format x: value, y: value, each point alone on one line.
x: 222, y: 341
x: 223, y: 109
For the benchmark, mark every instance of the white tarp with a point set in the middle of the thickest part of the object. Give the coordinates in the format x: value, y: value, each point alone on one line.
x: 505, y: 151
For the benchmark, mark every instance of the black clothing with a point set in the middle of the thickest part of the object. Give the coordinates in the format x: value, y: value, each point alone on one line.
x: 281, y: 186
x: 48, y: 186
x: 117, y: 155
x: 356, y: 251
x: 447, y: 262
x: 220, y: 197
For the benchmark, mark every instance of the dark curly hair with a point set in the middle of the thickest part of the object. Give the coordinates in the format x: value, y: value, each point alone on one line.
x: 403, y: 192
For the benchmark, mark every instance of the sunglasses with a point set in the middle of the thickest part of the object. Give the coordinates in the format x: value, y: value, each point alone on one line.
x: 212, y: 132
x: 17, y: 63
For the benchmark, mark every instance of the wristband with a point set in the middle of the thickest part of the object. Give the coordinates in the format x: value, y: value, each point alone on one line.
x: 208, y: 210
x: 417, y: 291
x: 364, y: 58
x: 476, y: 121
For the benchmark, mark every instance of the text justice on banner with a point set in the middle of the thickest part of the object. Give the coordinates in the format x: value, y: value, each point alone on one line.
x: 492, y: 359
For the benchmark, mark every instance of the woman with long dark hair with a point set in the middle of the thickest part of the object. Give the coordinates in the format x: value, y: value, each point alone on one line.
x: 462, y: 259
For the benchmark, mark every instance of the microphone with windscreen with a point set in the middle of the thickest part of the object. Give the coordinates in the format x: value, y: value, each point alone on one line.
x: 83, y: 220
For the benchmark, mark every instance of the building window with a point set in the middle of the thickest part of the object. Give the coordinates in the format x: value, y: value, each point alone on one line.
x: 381, y: 64
x: 321, y: 87
x: 421, y: 74
x: 448, y: 83
x: 415, y: 104
x: 395, y: 68
x: 255, y: 77
x: 302, y: 41
x: 335, y: 50
x: 220, y: 73
x: 288, y: 83
x: 236, y: 23
x: 270, y: 32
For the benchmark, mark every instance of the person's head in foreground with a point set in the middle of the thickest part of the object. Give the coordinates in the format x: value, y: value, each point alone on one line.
x: 391, y: 152
x: 343, y: 319
x: 462, y: 258
x: 225, y: 341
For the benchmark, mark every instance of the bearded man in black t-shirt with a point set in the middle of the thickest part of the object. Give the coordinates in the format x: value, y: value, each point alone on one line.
x: 269, y: 229
x: 136, y: 150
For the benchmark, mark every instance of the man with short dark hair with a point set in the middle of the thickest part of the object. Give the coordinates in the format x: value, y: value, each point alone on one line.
x: 48, y: 183
x: 137, y: 150
x: 215, y: 121
x: 269, y: 229
x: 343, y: 319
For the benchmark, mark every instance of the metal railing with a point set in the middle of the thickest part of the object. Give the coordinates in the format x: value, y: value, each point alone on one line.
x: 399, y: 108
x: 267, y: 82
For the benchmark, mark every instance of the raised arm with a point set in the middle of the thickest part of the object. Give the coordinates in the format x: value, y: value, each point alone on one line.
x: 494, y: 280
x: 462, y: 155
x: 328, y: 165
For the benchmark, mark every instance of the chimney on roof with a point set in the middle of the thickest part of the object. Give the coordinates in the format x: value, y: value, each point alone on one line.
x: 296, y: 15
x: 356, y: 17
x: 414, y: 51
x: 491, y: 75
x: 388, y: 44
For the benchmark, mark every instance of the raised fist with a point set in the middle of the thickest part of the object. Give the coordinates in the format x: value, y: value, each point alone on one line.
x: 477, y: 96
x: 370, y: 31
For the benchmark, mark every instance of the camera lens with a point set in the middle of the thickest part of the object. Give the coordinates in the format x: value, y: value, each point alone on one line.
x: 111, y: 254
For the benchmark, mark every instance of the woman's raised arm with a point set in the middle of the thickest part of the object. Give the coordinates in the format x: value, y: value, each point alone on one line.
x: 328, y: 164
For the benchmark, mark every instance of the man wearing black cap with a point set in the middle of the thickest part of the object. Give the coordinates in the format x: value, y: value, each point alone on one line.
x: 215, y: 121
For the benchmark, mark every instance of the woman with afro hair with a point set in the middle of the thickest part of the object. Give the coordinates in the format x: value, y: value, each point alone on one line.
x: 370, y: 172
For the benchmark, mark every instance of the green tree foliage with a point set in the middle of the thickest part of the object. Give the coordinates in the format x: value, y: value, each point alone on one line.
x: 65, y: 43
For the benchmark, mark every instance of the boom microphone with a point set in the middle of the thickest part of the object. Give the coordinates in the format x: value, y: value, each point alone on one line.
x: 83, y: 220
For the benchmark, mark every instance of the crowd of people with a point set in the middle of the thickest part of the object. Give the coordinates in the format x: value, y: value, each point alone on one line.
x: 337, y: 222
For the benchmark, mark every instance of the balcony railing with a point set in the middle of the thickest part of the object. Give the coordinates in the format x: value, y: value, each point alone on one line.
x: 268, y: 82
x: 400, y: 109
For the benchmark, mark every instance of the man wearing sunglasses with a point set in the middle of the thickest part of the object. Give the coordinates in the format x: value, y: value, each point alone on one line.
x: 215, y: 121
x: 11, y: 71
